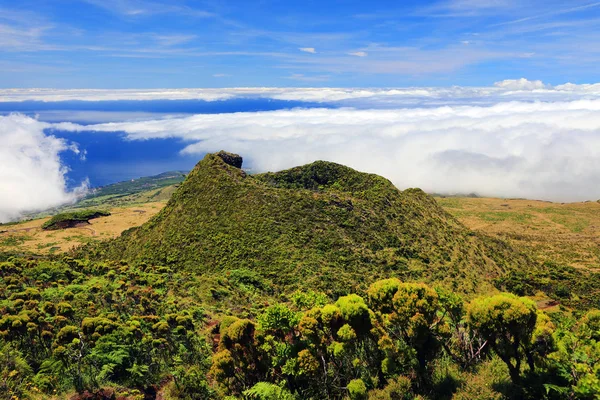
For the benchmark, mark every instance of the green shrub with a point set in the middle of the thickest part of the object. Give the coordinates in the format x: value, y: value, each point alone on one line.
x: 357, y: 390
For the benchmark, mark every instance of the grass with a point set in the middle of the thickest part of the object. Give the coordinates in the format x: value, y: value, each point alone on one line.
x: 29, y: 237
x: 13, y: 240
x: 566, y: 233
x: 113, y: 200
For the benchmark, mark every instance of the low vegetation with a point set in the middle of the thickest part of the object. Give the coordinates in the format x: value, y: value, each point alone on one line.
x: 28, y: 237
x: 156, y: 188
x: 70, y: 327
x: 139, y: 185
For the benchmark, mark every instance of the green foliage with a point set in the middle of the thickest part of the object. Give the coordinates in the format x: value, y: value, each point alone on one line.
x: 278, y: 318
x: 357, y: 390
x: 15, y: 372
x: 399, y: 388
x: 305, y: 300
x: 381, y: 293
x: 76, y: 325
x: 507, y: 322
x: 268, y: 391
x: 354, y: 310
x: 82, y: 325
x: 322, y: 227
x: 69, y: 219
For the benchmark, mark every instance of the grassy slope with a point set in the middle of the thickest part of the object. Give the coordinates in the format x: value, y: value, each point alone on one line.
x: 138, y: 191
x: 138, y: 185
x: 564, y: 233
x: 127, y: 209
x: 322, y: 225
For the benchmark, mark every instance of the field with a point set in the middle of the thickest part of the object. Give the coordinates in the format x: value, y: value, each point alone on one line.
x: 127, y: 210
x: 30, y: 237
x: 567, y: 233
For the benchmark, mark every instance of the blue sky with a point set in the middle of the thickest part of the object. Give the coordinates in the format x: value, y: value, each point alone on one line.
x: 496, y: 97
x: 149, y: 44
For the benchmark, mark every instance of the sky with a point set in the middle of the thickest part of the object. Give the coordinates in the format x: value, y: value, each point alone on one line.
x: 495, y: 97
x: 346, y: 43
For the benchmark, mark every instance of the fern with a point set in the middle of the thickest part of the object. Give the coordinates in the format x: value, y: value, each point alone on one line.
x: 268, y: 391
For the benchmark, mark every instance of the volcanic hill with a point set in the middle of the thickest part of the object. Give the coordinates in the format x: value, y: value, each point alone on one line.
x: 321, y: 225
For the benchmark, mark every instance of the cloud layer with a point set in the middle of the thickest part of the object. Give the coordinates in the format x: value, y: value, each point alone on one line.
x: 32, y: 176
x: 507, y: 90
x: 522, y: 90
x: 541, y: 150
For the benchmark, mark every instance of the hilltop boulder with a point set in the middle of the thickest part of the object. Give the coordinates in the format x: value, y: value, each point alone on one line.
x: 234, y: 160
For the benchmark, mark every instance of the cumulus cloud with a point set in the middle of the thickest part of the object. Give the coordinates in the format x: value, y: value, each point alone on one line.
x: 32, y: 176
x: 520, y: 84
x: 358, y: 53
x: 542, y: 150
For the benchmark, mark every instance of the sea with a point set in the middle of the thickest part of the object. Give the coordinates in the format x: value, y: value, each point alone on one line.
x: 108, y: 156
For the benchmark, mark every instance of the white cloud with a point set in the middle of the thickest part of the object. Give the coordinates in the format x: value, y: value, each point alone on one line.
x: 518, y: 138
x: 520, y: 84
x: 308, y: 50
x: 358, y: 54
x: 220, y: 75
x: 31, y: 174
x: 545, y: 150
x: 508, y: 90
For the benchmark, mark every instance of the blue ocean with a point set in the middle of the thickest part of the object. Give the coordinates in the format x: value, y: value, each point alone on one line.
x: 109, y: 157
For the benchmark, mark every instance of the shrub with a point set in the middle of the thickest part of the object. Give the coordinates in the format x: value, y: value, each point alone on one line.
x: 396, y: 389
x: 357, y: 390
x: 508, y: 323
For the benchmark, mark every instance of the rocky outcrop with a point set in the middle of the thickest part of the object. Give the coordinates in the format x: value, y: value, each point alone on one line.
x: 234, y: 160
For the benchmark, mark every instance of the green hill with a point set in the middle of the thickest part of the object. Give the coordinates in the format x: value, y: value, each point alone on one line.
x: 321, y: 225
x: 136, y: 191
x: 138, y: 185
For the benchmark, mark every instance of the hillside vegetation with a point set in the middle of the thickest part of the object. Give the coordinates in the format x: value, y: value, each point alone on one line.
x: 138, y: 185
x: 322, y: 225
x: 78, y: 329
x: 122, y: 194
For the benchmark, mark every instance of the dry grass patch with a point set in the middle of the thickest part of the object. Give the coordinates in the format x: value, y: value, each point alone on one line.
x: 30, y: 237
x: 561, y: 232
